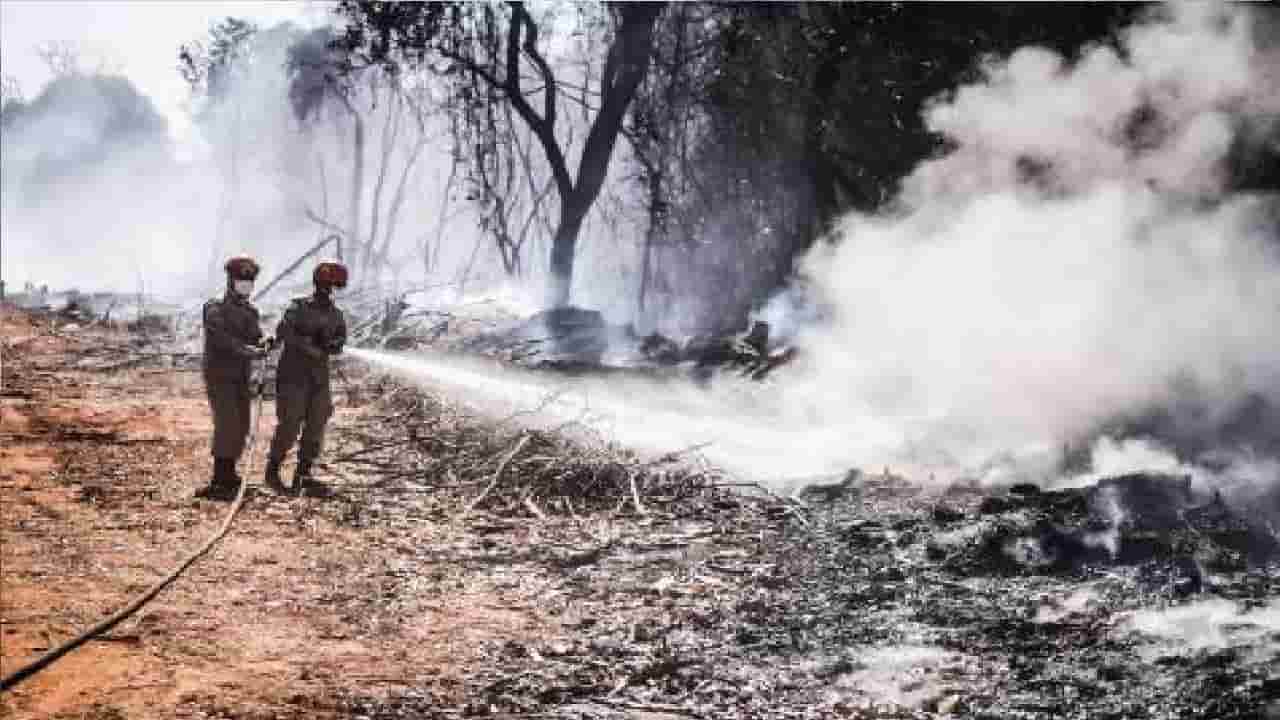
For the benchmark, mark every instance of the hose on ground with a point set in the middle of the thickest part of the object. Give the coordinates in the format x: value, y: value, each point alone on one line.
x: 50, y: 657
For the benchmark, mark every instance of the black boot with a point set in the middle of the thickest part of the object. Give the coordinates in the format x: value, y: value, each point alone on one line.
x: 272, y: 478
x: 225, y: 485
x: 231, y: 481
x: 304, y: 484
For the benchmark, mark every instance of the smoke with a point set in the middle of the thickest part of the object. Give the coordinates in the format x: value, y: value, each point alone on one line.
x: 788, y: 312
x: 74, y: 160
x: 98, y: 195
x: 1075, y: 265
x: 907, y: 675
x: 1208, y: 625
x: 1077, y: 258
x: 1164, y: 111
x: 726, y: 425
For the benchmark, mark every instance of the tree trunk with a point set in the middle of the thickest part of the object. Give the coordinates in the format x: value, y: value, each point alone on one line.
x: 357, y: 189
x: 397, y: 200
x: 430, y: 252
x: 390, y: 129
x: 625, y: 67
x: 644, y: 264
x: 820, y: 168
x: 564, y: 248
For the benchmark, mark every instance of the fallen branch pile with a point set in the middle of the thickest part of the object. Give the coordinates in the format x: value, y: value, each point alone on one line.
x: 502, y: 468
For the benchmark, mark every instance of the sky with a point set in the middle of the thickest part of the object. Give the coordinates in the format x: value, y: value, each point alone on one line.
x: 138, y: 39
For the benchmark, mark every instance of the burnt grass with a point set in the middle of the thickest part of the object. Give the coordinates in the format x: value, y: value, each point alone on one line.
x: 874, y: 598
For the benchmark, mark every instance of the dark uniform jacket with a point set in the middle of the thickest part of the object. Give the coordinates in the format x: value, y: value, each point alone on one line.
x: 231, y: 327
x: 312, y: 329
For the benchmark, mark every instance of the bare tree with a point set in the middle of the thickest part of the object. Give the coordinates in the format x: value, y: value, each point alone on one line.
x: 409, y: 105
x: 212, y: 66
x: 400, y: 134
x: 496, y: 47
x: 316, y: 85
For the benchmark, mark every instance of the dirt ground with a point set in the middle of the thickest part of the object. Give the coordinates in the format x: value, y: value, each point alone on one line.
x: 386, y: 600
x: 282, y: 619
x: 873, y: 599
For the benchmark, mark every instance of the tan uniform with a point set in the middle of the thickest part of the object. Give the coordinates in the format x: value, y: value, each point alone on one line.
x: 231, y: 327
x: 311, y: 330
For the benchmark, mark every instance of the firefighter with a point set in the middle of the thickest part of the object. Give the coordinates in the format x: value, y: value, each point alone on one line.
x: 232, y: 339
x: 312, y: 330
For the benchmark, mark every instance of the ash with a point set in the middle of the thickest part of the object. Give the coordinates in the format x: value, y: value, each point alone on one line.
x: 872, y: 598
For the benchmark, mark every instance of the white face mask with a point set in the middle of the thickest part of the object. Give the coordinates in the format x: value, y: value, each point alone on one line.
x: 243, y: 288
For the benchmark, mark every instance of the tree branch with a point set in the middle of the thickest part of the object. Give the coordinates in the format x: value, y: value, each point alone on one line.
x: 531, y: 49
x: 510, y: 86
x: 310, y: 215
x: 541, y: 128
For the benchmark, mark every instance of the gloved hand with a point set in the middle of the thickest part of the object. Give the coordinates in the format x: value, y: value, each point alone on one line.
x: 268, y: 342
x: 324, y: 344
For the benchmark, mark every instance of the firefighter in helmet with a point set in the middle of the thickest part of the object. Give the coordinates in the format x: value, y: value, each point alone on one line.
x: 232, y: 339
x: 312, y: 330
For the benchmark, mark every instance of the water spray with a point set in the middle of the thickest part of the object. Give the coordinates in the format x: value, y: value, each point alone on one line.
x: 655, y: 416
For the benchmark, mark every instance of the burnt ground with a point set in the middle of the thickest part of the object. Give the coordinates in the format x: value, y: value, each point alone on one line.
x: 466, y: 569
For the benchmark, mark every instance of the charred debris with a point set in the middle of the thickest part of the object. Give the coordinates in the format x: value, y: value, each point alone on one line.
x: 675, y: 591
x: 576, y: 340
x: 863, y: 597
x: 568, y: 340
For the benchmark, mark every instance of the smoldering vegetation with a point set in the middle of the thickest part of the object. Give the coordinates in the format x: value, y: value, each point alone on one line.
x: 1084, y: 261
x: 1020, y: 459
x: 1088, y: 255
x: 865, y: 596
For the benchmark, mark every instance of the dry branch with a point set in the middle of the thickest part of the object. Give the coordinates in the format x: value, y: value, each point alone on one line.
x: 533, y: 507
x: 422, y: 443
x: 497, y: 475
x: 635, y: 494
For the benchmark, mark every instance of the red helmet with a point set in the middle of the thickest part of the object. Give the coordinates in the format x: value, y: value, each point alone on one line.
x: 242, y: 267
x: 330, y: 274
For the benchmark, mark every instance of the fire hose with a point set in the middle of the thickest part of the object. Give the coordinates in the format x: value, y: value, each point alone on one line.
x: 44, y: 661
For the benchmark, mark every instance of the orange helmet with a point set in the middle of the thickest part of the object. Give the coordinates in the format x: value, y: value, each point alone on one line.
x: 242, y: 267
x: 330, y: 274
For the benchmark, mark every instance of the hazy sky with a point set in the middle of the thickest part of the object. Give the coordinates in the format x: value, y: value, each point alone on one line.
x: 137, y: 38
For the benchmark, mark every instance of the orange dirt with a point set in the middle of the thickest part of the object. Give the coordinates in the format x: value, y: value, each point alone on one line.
x: 283, y: 619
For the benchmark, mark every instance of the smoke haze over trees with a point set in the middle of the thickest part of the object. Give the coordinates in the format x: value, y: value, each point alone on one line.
x: 787, y: 115
x: 938, y: 182
x: 489, y: 49
x: 868, y: 359
x: 746, y: 131
x: 76, y: 126
x: 86, y: 136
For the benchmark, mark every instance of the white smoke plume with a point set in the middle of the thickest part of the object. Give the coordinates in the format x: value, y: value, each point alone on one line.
x: 1032, y: 286
x: 99, y: 194
x: 1074, y: 258
x: 73, y: 166
x: 1208, y: 625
